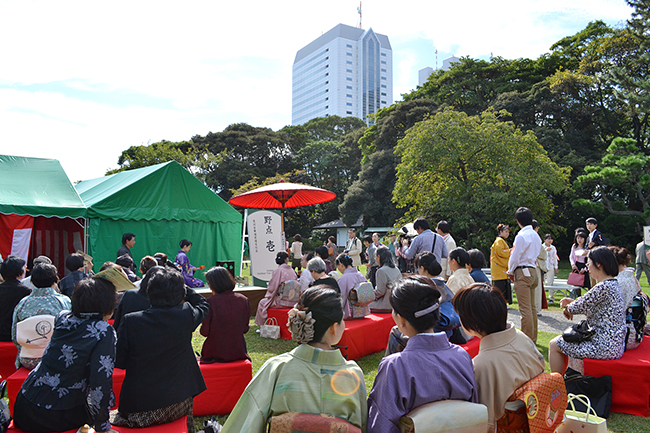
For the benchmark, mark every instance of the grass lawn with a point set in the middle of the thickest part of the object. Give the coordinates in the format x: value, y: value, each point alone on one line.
x: 260, y: 349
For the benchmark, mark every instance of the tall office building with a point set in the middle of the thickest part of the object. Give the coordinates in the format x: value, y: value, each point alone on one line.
x: 346, y: 72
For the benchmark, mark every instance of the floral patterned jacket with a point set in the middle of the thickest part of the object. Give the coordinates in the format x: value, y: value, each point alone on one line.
x: 76, y: 368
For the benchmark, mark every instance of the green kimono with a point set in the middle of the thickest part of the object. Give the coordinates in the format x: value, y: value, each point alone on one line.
x: 305, y: 380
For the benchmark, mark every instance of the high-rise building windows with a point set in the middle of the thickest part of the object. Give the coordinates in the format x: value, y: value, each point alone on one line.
x: 357, y: 56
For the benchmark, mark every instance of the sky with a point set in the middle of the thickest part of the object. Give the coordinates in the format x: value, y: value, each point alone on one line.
x: 82, y: 81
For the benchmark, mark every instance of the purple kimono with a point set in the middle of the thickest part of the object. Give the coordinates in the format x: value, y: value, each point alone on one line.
x: 429, y: 369
x: 186, y: 269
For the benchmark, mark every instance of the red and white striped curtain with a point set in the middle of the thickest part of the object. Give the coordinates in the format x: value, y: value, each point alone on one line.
x: 28, y: 237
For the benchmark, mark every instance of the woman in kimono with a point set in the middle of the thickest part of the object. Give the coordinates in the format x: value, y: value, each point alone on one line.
x: 429, y: 369
x: 283, y: 273
x: 313, y: 378
x: 73, y: 384
x: 186, y: 268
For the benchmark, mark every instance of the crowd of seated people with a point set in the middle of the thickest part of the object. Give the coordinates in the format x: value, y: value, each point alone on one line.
x: 151, y: 339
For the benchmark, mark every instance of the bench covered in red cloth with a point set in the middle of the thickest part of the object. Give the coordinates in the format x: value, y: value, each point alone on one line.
x: 178, y: 426
x: 630, y: 379
x: 225, y: 382
x: 8, y: 352
x: 472, y: 346
x: 362, y: 336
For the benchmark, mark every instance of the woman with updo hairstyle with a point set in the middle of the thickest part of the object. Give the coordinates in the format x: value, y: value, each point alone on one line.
x: 629, y: 284
x: 387, y: 275
x: 187, y: 269
x: 458, y: 260
x: 313, y: 378
x: 280, y: 275
x: 349, y: 278
x: 427, y: 265
x: 227, y: 321
x: 429, y: 369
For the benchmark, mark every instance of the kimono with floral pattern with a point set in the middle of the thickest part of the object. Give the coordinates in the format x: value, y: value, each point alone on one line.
x: 76, y: 368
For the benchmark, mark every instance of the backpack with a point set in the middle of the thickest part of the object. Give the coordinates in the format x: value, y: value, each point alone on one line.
x: 635, y: 319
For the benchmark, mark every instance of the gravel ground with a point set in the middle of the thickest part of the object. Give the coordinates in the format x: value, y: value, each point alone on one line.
x: 550, y: 321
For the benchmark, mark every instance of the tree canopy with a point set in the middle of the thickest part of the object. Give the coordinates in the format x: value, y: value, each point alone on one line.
x: 476, y: 170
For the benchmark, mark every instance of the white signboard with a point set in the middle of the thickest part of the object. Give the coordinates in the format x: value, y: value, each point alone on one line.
x: 646, y: 235
x: 265, y: 241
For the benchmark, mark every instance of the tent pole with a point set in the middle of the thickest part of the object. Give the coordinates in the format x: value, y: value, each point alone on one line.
x: 243, y: 239
x: 86, y: 235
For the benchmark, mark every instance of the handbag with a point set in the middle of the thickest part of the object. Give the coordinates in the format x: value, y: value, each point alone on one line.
x: 288, y: 294
x: 294, y: 422
x: 5, y: 414
x: 576, y: 279
x: 578, y: 332
x: 597, y: 389
x: 270, y: 329
x: 579, y: 421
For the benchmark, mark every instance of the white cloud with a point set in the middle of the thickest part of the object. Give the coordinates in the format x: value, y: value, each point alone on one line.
x: 150, y: 70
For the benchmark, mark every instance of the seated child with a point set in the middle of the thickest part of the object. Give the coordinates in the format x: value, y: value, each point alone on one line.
x: 73, y: 384
x: 227, y: 321
x: 75, y: 264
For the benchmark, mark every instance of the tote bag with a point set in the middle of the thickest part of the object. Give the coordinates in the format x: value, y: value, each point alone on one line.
x: 270, y: 329
x: 583, y: 422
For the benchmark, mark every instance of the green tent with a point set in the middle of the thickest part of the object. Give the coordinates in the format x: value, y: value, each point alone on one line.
x: 161, y: 205
x: 40, y: 211
x: 37, y: 187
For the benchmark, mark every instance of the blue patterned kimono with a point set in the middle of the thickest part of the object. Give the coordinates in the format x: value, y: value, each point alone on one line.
x: 76, y: 368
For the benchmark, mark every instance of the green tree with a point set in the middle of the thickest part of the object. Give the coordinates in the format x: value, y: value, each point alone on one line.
x: 245, y: 152
x: 195, y: 159
x: 370, y: 193
x: 619, y: 184
x: 474, y: 171
x: 631, y: 75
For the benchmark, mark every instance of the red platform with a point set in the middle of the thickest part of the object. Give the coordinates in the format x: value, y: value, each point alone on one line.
x: 178, y: 426
x: 362, y: 336
x: 8, y: 352
x: 472, y: 346
x: 225, y: 382
x: 630, y: 379
x: 282, y: 316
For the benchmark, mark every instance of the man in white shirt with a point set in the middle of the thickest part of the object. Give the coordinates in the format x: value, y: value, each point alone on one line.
x: 353, y: 247
x: 522, y: 270
x: 444, y: 229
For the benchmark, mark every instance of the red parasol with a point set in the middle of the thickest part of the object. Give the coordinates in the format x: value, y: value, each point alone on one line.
x: 282, y: 195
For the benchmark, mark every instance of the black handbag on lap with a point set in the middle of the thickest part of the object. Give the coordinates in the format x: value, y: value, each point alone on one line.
x: 578, y: 332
